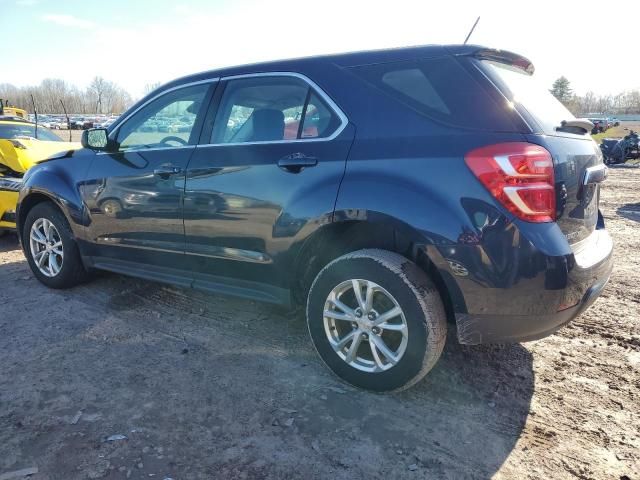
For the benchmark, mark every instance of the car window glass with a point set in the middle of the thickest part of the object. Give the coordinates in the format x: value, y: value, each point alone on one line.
x: 413, y: 83
x: 269, y: 108
x: 438, y: 88
x: 319, y: 120
x: 528, y: 91
x: 26, y: 130
x: 165, y: 122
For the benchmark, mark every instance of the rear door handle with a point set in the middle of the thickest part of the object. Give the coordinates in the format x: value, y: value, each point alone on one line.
x: 295, y: 162
x: 165, y: 171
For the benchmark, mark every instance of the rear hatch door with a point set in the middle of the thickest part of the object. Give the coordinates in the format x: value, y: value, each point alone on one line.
x: 577, y: 159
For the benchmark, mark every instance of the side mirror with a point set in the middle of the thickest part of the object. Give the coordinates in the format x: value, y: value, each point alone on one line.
x: 95, y: 139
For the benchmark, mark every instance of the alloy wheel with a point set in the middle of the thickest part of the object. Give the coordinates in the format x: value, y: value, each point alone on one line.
x: 365, y: 325
x: 46, y: 247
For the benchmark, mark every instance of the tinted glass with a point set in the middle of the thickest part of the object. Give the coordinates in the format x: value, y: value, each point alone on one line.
x: 165, y: 122
x: 319, y: 120
x: 17, y: 130
x: 528, y: 92
x: 263, y: 109
x: 439, y: 88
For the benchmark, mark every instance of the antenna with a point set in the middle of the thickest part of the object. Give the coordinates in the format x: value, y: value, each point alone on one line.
x: 68, y: 122
x: 35, y: 113
x: 471, y: 31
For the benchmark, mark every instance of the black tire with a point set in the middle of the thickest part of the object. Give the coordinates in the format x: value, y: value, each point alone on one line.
x: 413, y: 291
x: 72, y: 271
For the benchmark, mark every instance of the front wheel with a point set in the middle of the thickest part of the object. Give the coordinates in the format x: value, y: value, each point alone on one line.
x: 50, y: 248
x: 376, y: 320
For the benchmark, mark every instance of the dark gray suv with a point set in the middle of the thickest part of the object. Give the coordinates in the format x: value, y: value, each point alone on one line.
x: 388, y: 193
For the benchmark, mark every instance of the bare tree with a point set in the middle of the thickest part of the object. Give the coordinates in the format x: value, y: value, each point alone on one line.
x: 150, y: 87
x: 101, y: 96
x: 99, y: 88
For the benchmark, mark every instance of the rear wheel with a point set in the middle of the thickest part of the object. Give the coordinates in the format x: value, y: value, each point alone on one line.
x: 50, y: 248
x: 376, y: 320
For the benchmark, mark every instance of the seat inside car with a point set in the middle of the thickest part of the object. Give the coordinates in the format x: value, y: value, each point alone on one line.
x: 268, y: 124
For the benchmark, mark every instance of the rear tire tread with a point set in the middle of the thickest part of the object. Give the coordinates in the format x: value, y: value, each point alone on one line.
x: 423, y: 289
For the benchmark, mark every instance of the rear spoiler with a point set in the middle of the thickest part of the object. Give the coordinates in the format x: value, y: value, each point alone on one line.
x: 494, y: 55
x: 508, y: 58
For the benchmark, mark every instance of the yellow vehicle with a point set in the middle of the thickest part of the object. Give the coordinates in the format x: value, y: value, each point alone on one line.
x: 8, y: 111
x: 22, y: 145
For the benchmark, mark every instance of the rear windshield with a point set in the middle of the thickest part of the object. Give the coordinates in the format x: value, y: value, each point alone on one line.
x: 439, y: 88
x: 525, y: 91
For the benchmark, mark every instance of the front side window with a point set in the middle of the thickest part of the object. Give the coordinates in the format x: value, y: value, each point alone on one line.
x: 165, y: 122
x: 271, y: 108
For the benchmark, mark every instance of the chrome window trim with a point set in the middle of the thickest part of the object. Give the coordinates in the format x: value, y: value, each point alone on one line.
x: 140, y: 150
x: 117, y: 126
x: 344, y: 120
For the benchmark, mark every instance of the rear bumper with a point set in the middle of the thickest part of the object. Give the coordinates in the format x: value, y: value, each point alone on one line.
x: 547, y: 298
x: 480, y: 329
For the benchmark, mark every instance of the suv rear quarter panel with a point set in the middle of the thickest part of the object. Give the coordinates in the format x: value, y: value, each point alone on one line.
x: 407, y: 169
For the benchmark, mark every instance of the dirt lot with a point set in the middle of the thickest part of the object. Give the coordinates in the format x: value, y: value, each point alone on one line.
x: 211, y: 387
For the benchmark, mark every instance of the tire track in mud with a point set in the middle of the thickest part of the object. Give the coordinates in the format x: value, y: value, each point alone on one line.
x: 194, y: 318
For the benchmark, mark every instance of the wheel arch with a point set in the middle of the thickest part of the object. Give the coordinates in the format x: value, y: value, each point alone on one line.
x: 28, y: 202
x: 347, y: 235
x: 52, y: 182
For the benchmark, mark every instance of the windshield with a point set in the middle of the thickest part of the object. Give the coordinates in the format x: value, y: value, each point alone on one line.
x: 528, y: 93
x: 19, y: 130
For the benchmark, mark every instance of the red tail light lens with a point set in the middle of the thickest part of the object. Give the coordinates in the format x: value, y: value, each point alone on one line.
x: 520, y: 176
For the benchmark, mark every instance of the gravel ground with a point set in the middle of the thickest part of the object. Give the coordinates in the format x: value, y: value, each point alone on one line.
x: 204, y: 386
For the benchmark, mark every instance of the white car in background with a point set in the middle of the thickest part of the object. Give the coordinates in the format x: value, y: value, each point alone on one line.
x: 106, y: 123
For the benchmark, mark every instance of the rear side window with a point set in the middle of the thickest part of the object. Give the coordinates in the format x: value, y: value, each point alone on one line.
x: 439, y: 88
x: 271, y: 109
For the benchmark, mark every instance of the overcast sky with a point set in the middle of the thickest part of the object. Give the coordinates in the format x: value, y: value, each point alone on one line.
x: 137, y: 42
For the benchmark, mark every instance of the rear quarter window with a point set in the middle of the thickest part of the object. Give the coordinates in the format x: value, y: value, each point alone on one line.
x: 441, y: 89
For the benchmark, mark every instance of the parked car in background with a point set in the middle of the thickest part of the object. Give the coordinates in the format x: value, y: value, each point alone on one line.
x: 104, y: 122
x: 88, y: 123
x: 57, y: 124
x: 76, y: 123
x: 600, y: 125
x: 44, y: 120
x: 411, y: 194
x: 22, y: 145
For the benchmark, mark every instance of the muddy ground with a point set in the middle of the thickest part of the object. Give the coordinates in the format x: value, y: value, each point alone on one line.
x: 205, y: 386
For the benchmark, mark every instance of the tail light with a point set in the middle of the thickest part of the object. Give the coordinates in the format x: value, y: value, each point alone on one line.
x: 520, y: 176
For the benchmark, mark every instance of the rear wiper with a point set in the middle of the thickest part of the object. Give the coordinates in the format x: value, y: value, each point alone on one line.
x: 579, y: 126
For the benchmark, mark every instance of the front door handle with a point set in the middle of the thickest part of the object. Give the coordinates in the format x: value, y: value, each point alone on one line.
x: 165, y: 171
x: 295, y: 162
